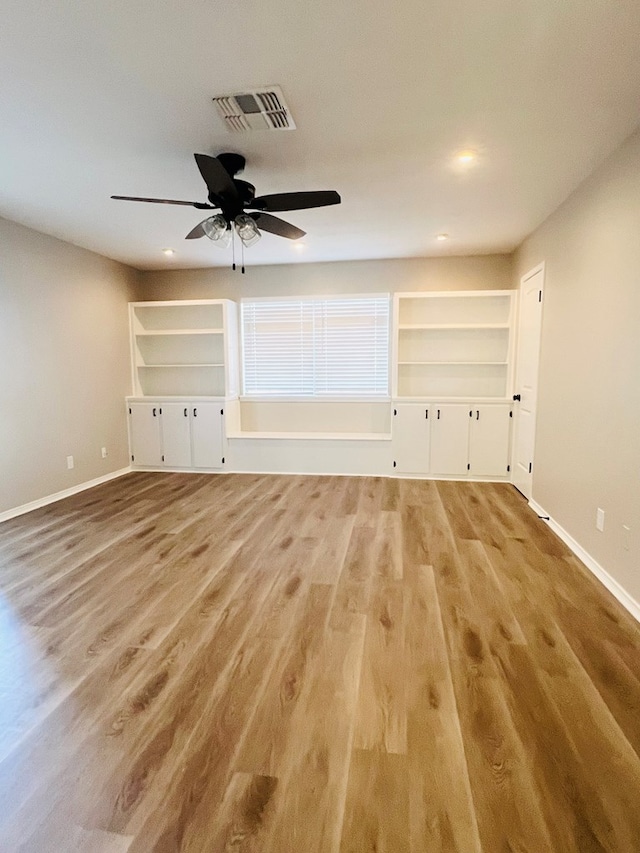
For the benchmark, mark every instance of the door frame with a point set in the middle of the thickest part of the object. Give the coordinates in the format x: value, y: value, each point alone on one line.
x: 541, y: 267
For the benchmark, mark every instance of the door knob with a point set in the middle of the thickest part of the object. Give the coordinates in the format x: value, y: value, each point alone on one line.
x: 516, y: 397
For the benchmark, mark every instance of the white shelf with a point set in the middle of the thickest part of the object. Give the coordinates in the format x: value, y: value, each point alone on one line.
x: 453, y: 363
x: 311, y: 436
x: 179, y: 316
x: 438, y: 398
x: 453, y: 345
x: 167, y: 332
x: 436, y: 326
x: 207, y: 364
x: 178, y: 398
x: 184, y: 348
x: 454, y: 308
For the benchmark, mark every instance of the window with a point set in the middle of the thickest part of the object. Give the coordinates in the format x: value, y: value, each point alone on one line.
x: 330, y: 347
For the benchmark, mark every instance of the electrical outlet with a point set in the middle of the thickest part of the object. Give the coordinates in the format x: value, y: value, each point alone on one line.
x: 626, y: 537
x: 600, y: 519
x: 69, y: 462
x: 104, y: 453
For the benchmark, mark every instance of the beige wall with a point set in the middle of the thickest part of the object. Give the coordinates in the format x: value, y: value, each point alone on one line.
x: 480, y: 272
x: 64, y: 364
x: 588, y: 434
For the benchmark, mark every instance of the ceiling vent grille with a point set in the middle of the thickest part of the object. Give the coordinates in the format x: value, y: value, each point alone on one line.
x: 256, y: 109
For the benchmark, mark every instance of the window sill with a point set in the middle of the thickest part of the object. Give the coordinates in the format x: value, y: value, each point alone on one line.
x: 327, y: 399
x: 312, y: 436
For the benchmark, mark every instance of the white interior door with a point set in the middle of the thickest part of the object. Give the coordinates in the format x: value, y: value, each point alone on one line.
x: 206, y: 435
x: 527, y: 360
x: 411, y: 438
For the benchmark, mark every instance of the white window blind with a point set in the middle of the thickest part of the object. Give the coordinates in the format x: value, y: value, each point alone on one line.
x: 316, y: 347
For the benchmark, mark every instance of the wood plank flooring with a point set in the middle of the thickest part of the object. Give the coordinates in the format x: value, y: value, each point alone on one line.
x: 271, y: 664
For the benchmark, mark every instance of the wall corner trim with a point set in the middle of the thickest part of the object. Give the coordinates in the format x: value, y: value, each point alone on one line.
x: 616, y: 589
x: 58, y: 496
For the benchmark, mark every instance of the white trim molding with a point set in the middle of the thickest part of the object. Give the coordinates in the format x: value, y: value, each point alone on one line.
x: 58, y: 496
x: 618, y: 591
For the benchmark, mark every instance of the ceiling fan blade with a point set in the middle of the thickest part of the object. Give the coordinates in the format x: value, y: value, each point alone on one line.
x: 196, y: 232
x: 295, y: 201
x: 275, y: 225
x: 216, y: 177
x: 197, y: 204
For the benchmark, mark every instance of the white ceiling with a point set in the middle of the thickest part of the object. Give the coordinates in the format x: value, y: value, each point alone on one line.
x: 115, y: 97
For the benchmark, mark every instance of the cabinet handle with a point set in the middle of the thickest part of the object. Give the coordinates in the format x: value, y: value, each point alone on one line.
x: 438, y: 414
x: 470, y: 414
x: 195, y: 413
x: 395, y: 412
x: 154, y: 412
x: 426, y: 414
x: 477, y: 414
x: 185, y: 413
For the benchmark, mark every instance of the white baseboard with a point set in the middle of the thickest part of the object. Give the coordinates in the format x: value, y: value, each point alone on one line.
x: 58, y: 496
x: 618, y: 591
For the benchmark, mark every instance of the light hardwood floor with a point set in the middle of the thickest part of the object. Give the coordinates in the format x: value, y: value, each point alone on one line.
x: 277, y: 664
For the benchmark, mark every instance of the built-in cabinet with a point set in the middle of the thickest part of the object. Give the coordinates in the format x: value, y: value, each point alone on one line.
x: 411, y: 438
x: 451, y: 439
x: 452, y: 373
x: 184, y: 363
x: 145, y: 437
x: 489, y: 440
x: 184, y: 434
x: 451, y: 367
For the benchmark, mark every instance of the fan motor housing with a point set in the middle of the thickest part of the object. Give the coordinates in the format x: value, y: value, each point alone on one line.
x: 233, y: 163
x: 246, y: 190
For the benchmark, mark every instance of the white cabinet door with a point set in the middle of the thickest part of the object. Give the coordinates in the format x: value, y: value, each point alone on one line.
x: 489, y: 441
x: 449, y: 439
x: 176, y: 435
x: 206, y: 435
x: 410, y: 426
x: 144, y: 433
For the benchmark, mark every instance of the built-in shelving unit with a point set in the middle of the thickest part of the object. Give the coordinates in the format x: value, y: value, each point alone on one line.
x: 453, y: 345
x: 184, y: 348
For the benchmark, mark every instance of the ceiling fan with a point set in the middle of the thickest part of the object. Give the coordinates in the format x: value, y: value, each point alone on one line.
x: 234, y: 197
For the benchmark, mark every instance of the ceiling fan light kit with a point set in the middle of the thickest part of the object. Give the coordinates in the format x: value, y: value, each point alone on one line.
x: 233, y: 197
x: 217, y: 230
x: 246, y: 229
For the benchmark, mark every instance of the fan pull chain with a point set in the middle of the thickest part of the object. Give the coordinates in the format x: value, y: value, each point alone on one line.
x: 242, y: 250
x: 233, y: 247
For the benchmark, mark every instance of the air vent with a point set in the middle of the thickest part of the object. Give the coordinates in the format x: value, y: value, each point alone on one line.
x: 257, y: 109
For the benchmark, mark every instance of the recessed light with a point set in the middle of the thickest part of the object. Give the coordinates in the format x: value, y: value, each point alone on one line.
x: 299, y: 247
x: 466, y: 156
x: 168, y: 252
x: 442, y: 236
